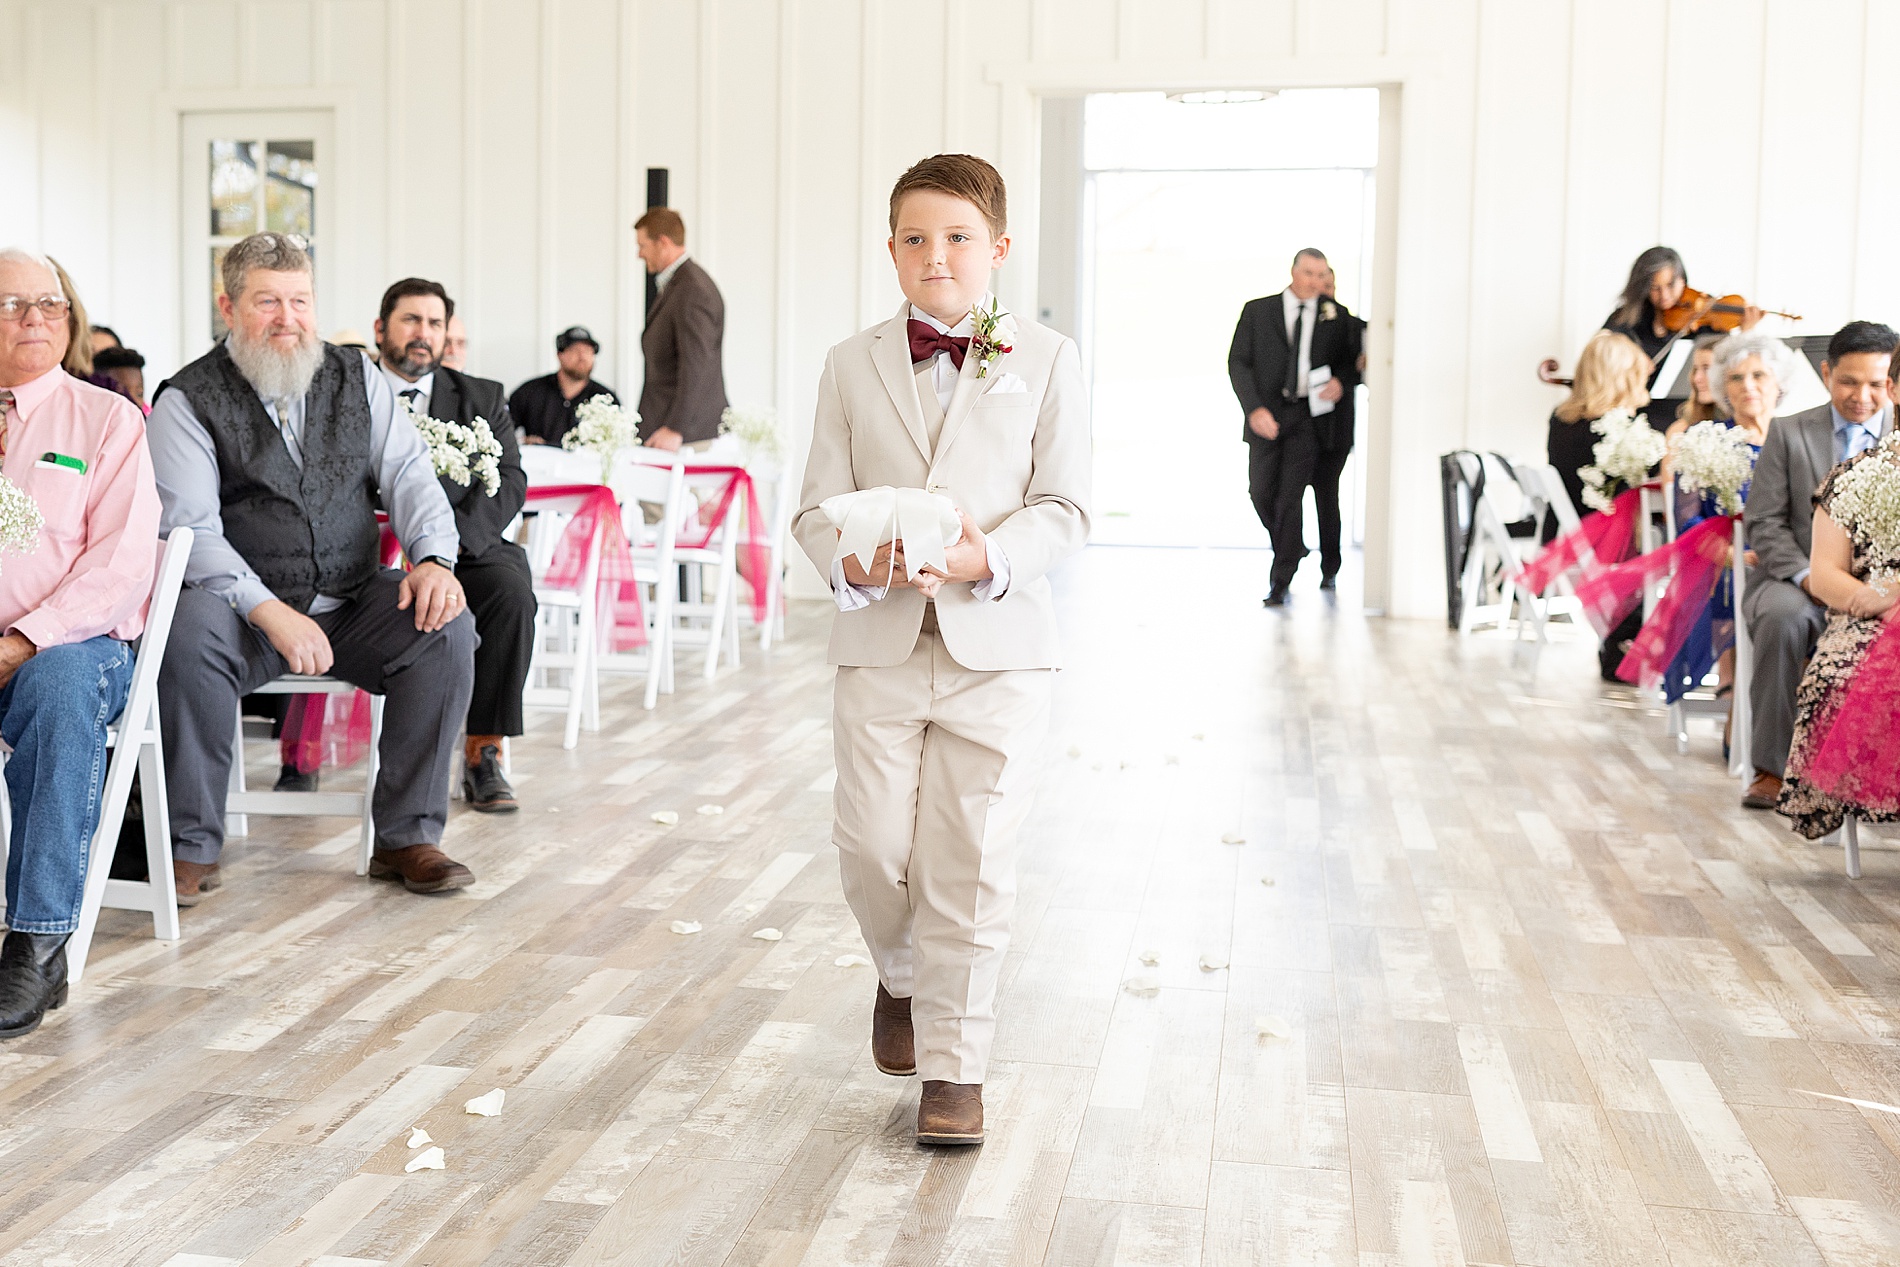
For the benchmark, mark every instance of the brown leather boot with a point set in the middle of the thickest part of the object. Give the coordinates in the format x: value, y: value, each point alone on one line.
x: 1763, y: 792
x: 421, y: 868
x: 192, y: 880
x: 893, y: 1047
x: 950, y: 1113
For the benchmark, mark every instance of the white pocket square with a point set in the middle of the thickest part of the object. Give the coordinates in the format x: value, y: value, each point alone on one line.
x: 1007, y: 383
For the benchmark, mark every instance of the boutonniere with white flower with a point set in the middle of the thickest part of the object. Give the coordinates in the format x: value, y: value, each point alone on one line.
x: 464, y: 454
x: 1327, y: 311
x: 992, y: 335
x: 20, y: 518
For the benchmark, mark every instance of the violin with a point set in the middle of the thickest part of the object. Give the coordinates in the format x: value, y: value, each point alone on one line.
x: 1710, y: 312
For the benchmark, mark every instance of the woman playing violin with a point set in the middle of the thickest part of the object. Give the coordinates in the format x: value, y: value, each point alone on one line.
x: 1652, y: 312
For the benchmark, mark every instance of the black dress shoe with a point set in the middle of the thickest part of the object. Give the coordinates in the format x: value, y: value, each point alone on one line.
x: 1276, y: 597
x: 484, y: 787
x: 1329, y: 582
x: 291, y: 779
x: 32, y: 980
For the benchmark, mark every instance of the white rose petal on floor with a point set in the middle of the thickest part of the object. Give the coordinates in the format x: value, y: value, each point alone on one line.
x: 1233, y: 838
x: 768, y: 934
x: 1143, y: 986
x: 851, y: 961
x: 427, y: 1159
x: 685, y: 927
x: 666, y: 817
x: 1213, y: 963
x: 1272, y: 1027
x: 710, y: 810
x: 486, y: 1105
x: 418, y: 1137
x: 1149, y: 957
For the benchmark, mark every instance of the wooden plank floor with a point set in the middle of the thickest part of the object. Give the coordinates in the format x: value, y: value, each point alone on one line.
x: 1539, y: 992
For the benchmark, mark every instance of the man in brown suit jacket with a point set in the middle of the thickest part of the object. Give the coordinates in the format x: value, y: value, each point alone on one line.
x: 685, y: 391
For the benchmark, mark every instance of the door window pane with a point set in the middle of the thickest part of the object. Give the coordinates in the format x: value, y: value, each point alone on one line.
x: 290, y: 194
x: 233, y: 188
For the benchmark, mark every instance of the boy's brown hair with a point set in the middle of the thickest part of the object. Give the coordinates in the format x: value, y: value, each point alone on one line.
x: 962, y: 176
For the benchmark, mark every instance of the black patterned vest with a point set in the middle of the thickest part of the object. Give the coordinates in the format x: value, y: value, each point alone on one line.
x: 306, y: 531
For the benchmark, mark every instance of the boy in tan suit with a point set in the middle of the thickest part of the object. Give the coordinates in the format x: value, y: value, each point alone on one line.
x: 942, y: 697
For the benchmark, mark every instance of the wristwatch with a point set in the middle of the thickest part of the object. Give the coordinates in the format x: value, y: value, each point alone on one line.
x: 439, y: 561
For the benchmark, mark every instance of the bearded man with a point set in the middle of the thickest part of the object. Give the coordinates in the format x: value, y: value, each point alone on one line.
x: 277, y: 449
x: 411, y: 333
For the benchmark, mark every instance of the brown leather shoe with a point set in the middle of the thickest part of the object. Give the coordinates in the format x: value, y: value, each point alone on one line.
x: 1763, y: 792
x: 421, y: 868
x: 950, y: 1113
x: 893, y: 1047
x: 192, y: 880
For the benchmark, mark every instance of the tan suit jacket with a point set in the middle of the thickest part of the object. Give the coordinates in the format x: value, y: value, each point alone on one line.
x: 1019, y: 462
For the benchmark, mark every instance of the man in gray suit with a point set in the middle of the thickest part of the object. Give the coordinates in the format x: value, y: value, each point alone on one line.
x: 685, y: 391
x: 1784, y: 619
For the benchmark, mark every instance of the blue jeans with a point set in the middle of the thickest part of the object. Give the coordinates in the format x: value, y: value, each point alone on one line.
x: 53, y: 714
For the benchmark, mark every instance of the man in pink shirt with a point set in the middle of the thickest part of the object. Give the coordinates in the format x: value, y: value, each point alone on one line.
x: 68, y: 612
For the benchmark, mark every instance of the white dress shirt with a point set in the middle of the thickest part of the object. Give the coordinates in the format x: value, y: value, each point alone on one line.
x: 423, y: 387
x: 944, y: 374
x: 1292, y: 307
x: 665, y: 275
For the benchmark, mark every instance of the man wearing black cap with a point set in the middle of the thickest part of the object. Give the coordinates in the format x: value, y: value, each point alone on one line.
x: 544, y: 407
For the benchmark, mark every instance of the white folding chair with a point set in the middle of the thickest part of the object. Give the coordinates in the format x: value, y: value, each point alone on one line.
x: 1850, y: 845
x: 720, y: 554
x: 567, y: 622
x: 654, y: 477
x: 1491, y: 540
x: 240, y: 802
x: 1544, y: 492
x: 135, y: 745
x: 1678, y: 714
x: 1741, y: 763
x: 779, y: 520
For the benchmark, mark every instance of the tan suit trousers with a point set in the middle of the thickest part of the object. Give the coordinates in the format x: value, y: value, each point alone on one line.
x: 937, y: 767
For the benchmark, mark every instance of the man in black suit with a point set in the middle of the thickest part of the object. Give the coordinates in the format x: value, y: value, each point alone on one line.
x: 1280, y: 345
x: 411, y: 334
x: 685, y: 391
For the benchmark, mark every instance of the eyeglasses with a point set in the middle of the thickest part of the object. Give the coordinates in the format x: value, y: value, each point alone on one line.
x: 297, y: 240
x: 52, y: 307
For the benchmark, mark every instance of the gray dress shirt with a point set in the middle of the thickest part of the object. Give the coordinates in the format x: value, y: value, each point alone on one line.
x: 186, y: 465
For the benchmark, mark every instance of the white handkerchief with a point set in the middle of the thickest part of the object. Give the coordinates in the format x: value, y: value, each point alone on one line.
x: 1007, y: 383
x: 871, y: 517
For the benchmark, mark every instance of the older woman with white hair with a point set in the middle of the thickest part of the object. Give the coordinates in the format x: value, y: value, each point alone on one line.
x: 1750, y: 374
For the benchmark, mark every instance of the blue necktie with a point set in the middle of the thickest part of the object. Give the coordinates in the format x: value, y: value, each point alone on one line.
x: 1858, y: 441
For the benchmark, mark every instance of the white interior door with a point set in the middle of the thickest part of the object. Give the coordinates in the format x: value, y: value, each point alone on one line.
x: 243, y: 173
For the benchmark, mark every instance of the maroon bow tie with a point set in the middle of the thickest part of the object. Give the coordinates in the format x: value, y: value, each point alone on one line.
x: 926, y: 342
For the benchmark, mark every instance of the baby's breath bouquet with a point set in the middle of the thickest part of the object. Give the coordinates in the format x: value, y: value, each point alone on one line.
x: 464, y: 454
x: 756, y: 429
x: 1717, y: 460
x: 20, y: 519
x: 1866, y: 501
x: 1621, y: 459
x: 605, y: 428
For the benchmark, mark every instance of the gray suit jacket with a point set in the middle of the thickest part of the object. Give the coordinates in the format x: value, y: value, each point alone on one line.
x: 1796, y: 456
x: 683, y: 341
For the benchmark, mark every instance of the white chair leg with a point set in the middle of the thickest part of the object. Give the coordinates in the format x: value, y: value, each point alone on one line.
x: 716, y: 631
x: 371, y: 765
x: 99, y: 850
x: 237, y: 824
x: 1850, y: 845
x: 158, y: 842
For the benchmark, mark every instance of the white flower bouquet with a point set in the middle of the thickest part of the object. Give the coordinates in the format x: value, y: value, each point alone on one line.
x: 1622, y: 459
x: 464, y: 454
x: 1716, y: 460
x: 20, y: 518
x: 606, y: 429
x: 756, y: 429
x: 1866, y: 499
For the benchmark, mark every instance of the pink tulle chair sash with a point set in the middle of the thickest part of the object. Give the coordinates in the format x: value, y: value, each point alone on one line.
x: 709, y: 520
x: 1599, y: 541
x: 619, y: 593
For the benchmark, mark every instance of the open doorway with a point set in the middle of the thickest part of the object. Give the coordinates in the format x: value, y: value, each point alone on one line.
x: 1187, y: 209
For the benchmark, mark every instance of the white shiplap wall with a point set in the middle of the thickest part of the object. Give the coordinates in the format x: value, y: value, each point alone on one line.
x: 501, y: 145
